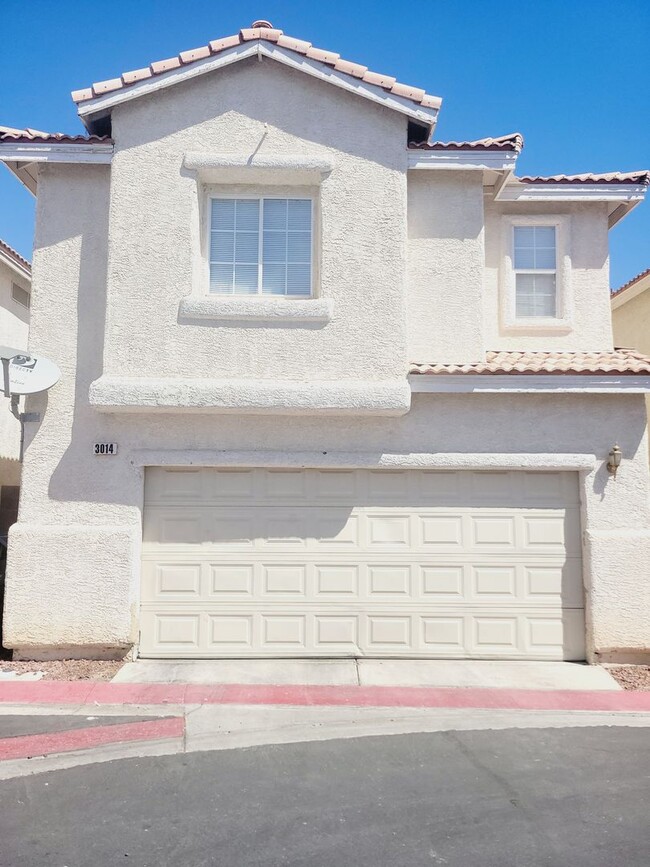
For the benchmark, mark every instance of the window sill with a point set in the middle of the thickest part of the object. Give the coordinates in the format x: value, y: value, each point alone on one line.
x: 279, y: 310
x: 538, y: 326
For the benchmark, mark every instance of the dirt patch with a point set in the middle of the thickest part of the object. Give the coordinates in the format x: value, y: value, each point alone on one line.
x: 631, y: 676
x: 66, y: 669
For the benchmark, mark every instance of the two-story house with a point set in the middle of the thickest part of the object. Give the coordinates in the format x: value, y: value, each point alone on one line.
x: 15, y: 288
x: 330, y: 387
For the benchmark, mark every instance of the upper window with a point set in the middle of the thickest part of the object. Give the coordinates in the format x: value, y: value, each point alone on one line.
x: 261, y: 246
x: 20, y: 295
x: 535, y: 267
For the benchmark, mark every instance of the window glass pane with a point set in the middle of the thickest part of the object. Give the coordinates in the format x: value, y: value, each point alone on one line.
x: 222, y: 246
x: 246, y: 247
x: 299, y: 214
x: 223, y: 214
x: 536, y: 295
x: 245, y: 279
x: 299, y: 247
x: 221, y: 279
x: 298, y: 279
x: 275, y: 247
x: 248, y: 215
x: 275, y: 214
x: 534, y: 247
x: 274, y: 279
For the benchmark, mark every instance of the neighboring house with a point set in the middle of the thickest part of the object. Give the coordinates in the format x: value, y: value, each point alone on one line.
x: 631, y: 315
x: 329, y: 387
x: 15, y: 289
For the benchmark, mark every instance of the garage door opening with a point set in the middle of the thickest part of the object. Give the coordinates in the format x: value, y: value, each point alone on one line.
x: 352, y: 563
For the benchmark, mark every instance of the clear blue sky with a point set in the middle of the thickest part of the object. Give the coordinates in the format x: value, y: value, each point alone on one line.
x: 572, y: 75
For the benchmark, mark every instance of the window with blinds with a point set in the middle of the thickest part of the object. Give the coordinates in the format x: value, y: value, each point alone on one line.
x: 535, y: 267
x: 261, y: 247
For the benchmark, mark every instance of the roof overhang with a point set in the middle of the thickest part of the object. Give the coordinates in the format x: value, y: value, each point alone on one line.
x: 23, y: 158
x: 496, y: 166
x: 15, y: 266
x: 528, y: 384
x: 94, y: 109
x: 632, y: 291
x: 621, y: 198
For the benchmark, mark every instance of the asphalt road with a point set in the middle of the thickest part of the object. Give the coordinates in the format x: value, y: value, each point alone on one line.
x: 513, y: 798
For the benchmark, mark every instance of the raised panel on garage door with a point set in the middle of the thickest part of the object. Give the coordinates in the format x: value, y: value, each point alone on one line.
x: 260, y: 562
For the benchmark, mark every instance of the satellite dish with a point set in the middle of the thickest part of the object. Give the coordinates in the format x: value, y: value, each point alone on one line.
x: 29, y: 374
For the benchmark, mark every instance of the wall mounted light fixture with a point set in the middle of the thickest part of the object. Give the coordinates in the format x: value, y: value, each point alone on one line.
x: 615, y: 457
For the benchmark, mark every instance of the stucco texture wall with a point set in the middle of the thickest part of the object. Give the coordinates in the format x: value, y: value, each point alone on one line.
x: 14, y: 327
x: 631, y: 324
x: 445, y: 266
x: 157, y: 220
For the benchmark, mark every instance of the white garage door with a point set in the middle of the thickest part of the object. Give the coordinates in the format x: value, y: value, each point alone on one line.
x: 260, y: 562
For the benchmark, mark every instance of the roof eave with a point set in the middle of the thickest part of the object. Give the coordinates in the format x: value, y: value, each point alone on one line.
x: 528, y: 383
x: 93, y: 109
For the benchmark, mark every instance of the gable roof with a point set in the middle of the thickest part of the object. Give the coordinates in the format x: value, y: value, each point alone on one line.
x: 13, y: 258
x: 261, y: 39
x: 634, y: 287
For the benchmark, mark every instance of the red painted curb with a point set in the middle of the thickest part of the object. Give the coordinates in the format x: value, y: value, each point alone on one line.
x: 84, y: 692
x: 28, y: 746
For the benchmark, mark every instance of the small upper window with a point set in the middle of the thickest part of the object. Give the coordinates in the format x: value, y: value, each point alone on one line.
x: 20, y: 295
x: 261, y: 247
x: 535, y: 267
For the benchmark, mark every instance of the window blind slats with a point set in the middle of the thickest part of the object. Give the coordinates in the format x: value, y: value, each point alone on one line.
x: 280, y: 265
x: 535, y: 264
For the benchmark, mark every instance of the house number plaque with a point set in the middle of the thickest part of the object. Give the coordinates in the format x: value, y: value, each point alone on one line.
x: 105, y: 449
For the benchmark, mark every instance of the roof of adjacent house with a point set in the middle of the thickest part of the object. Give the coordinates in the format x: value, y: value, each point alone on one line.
x: 11, y: 134
x: 14, y: 256
x: 632, y: 282
x: 512, y: 142
x: 614, y: 362
x: 260, y: 31
x: 642, y: 178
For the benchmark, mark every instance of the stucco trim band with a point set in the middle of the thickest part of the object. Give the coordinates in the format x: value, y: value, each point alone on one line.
x: 362, y: 460
x: 256, y: 309
x: 252, y: 168
x: 279, y: 397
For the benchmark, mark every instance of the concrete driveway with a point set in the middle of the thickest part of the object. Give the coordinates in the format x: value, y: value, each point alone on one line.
x: 510, y: 798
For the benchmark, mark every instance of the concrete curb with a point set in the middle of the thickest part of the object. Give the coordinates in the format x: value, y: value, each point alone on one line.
x: 29, y: 746
x: 100, y: 693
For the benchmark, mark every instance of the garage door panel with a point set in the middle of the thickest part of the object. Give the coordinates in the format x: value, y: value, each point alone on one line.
x: 254, y: 562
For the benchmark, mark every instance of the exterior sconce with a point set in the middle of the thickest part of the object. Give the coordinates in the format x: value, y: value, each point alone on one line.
x: 614, y: 462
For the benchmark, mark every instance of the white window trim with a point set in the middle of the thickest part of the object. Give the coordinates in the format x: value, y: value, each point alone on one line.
x: 563, y: 320
x: 258, y: 195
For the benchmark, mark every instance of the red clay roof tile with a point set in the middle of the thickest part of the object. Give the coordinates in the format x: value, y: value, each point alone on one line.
x: 9, y: 134
x: 15, y: 256
x: 631, y: 282
x: 264, y: 31
x: 513, y: 142
x: 642, y: 178
x: 606, y: 362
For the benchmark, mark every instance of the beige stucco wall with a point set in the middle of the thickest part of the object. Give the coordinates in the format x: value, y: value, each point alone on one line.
x: 14, y: 327
x: 445, y: 266
x: 631, y: 321
x: 73, y: 577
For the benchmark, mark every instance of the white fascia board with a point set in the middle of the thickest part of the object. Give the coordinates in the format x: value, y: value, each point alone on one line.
x: 40, y: 152
x: 564, y: 462
x: 462, y: 160
x: 527, y: 384
x: 518, y: 192
x: 102, y: 104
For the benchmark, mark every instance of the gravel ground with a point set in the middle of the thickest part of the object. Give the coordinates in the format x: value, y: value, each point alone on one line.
x: 66, y: 669
x: 631, y: 676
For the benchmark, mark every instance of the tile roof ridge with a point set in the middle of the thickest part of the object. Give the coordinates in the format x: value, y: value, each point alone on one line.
x: 260, y: 31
